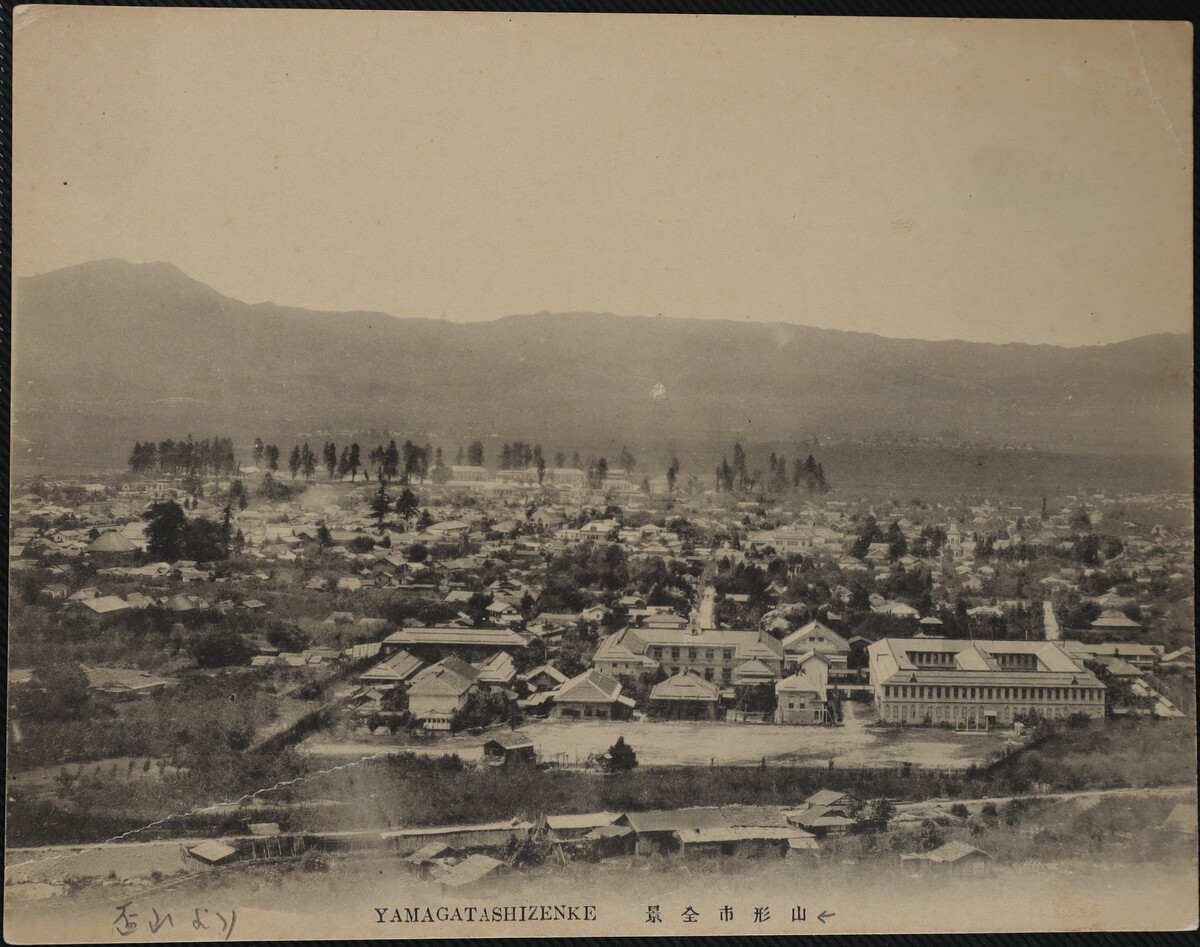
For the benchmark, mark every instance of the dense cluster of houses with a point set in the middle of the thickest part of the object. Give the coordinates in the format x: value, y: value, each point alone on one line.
x: 699, y: 667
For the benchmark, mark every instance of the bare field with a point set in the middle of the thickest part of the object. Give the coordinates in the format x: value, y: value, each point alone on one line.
x: 696, y: 743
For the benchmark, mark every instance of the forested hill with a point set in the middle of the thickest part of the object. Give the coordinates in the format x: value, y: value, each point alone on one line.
x: 144, y: 350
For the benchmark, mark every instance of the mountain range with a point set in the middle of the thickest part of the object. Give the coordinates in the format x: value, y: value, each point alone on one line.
x: 115, y: 350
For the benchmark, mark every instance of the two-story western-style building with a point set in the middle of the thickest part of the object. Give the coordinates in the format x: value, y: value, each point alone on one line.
x: 979, y: 684
x: 819, y: 637
x: 803, y: 697
x: 716, y: 655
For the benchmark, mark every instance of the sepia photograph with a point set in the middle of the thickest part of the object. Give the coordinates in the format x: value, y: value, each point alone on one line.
x: 560, y: 474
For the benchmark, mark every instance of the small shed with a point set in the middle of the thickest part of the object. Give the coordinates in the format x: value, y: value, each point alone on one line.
x: 957, y: 857
x: 509, y: 750
x: 433, y: 860
x: 565, y: 828
x: 474, y: 871
x: 611, y: 840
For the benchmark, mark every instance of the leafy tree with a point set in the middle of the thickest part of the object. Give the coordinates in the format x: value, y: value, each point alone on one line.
x: 144, y: 457
x: 739, y: 466
x: 477, y: 605
x: 237, y: 494
x: 308, y: 461
x: 418, y: 552
x: 272, y: 489
x: 1086, y: 549
x: 627, y: 461
x: 226, y: 530
x: 525, y: 852
x: 621, y: 756
x: 414, y: 461
x: 294, y: 461
x: 166, y: 531
x: 259, y: 451
x: 58, y: 692
x: 425, y: 520
x: 285, y: 636
x: 929, y: 836
x: 560, y: 459
x: 407, y: 504
x: 781, y: 482
x: 475, y: 454
x: 381, y: 505
x: 329, y: 455
x: 324, y: 537
x: 881, y: 812
x: 220, y: 647
x: 540, y: 463
x: 361, y: 544
x: 355, y: 460
x: 871, y: 533
x: 929, y: 542
x: 724, y: 476
x: 206, y: 541
x: 375, y: 457
x: 272, y: 457
x: 391, y: 460
x: 755, y: 698
x: 822, y: 485
x: 482, y: 709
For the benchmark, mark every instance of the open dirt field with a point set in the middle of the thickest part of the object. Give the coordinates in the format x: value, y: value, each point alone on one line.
x: 676, y: 743
x: 694, y: 743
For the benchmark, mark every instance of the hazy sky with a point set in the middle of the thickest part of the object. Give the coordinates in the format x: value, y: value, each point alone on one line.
x: 998, y: 181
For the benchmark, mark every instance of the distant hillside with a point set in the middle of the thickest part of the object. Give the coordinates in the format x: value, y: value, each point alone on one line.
x: 123, y: 350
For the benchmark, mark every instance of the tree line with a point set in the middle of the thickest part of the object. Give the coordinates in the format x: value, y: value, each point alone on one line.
x: 210, y: 455
x: 386, y: 463
x: 805, y: 476
x: 411, y: 461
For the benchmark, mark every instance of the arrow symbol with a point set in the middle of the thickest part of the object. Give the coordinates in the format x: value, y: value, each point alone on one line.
x: 824, y: 914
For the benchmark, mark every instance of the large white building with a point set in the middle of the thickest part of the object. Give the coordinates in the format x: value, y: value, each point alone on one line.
x: 979, y: 684
x: 722, y: 656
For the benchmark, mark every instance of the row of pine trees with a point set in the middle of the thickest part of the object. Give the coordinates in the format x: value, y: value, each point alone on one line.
x: 411, y: 461
x: 807, y: 475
